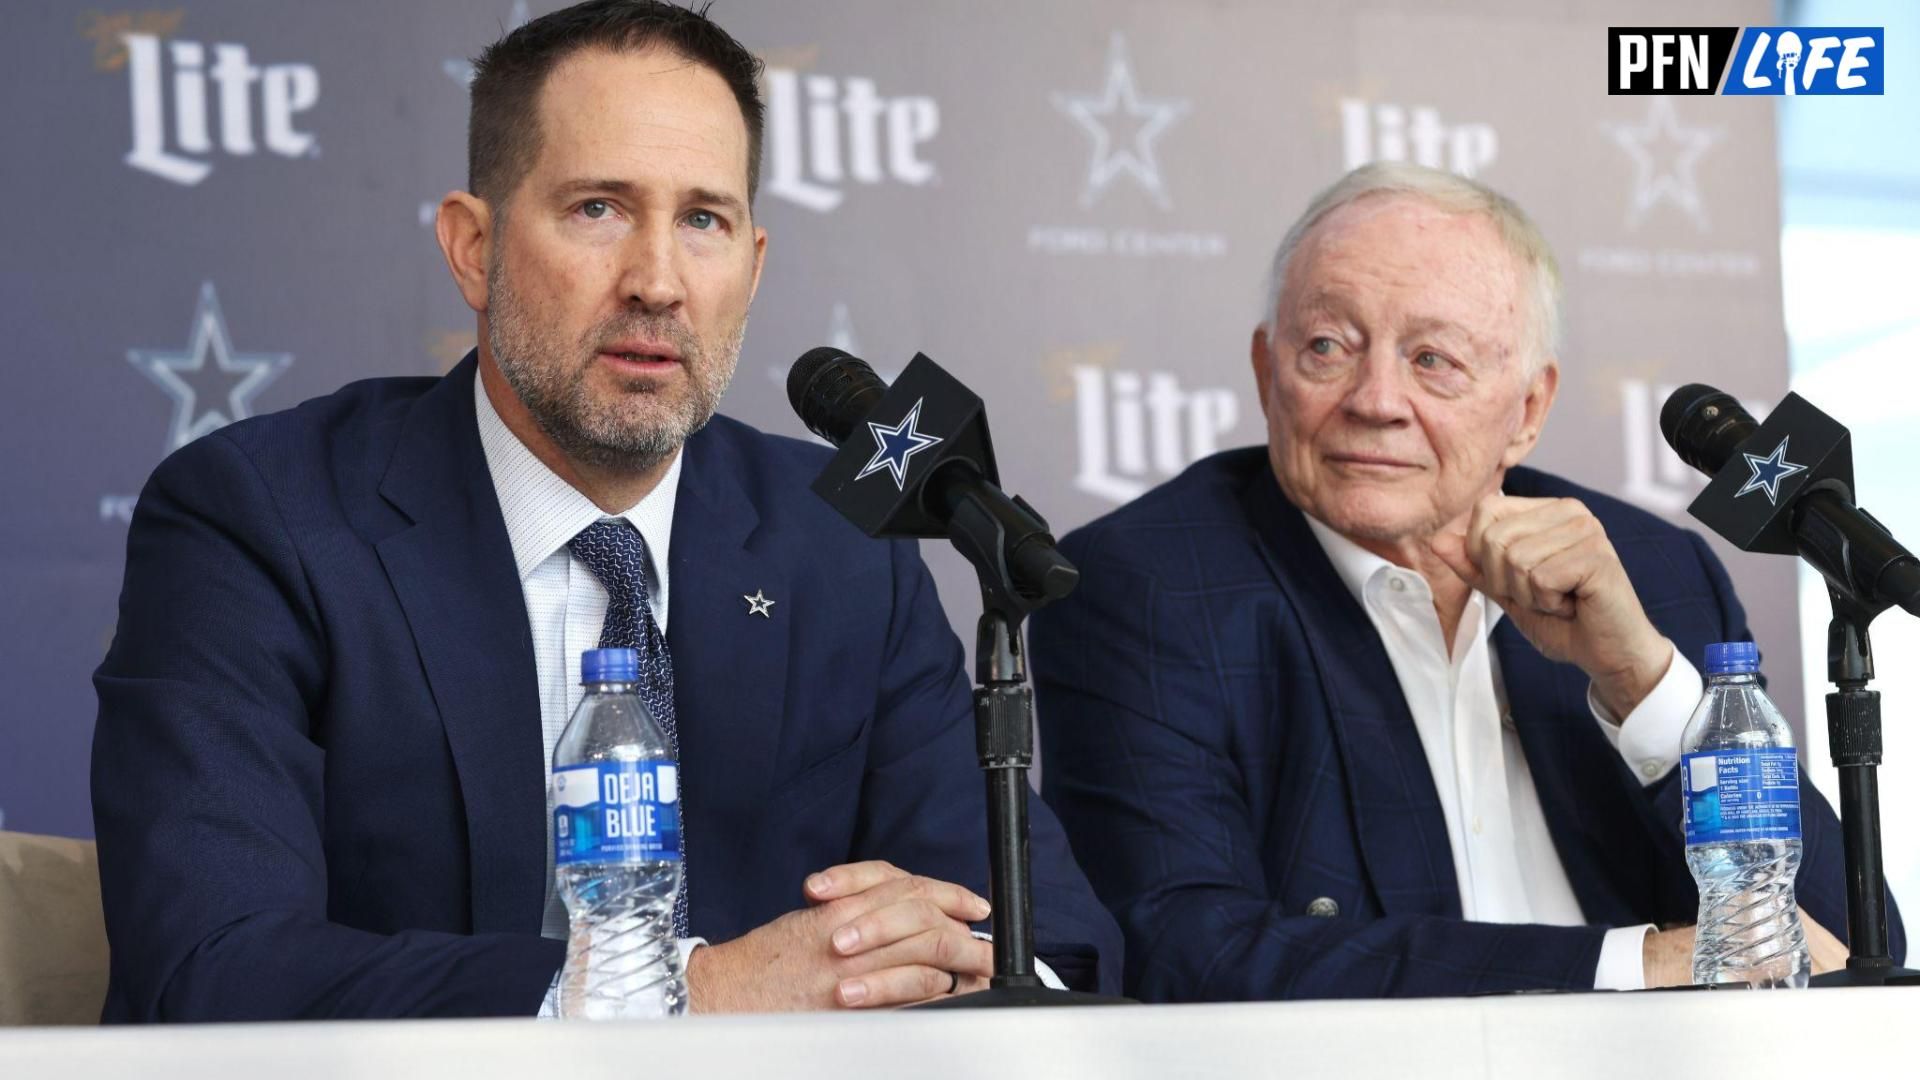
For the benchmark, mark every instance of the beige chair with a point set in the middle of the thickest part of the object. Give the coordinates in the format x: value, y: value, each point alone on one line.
x: 53, y: 943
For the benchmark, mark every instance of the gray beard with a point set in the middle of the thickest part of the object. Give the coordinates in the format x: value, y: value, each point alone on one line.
x: 636, y: 431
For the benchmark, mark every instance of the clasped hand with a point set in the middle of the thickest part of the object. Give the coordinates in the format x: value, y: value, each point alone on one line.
x: 871, y: 936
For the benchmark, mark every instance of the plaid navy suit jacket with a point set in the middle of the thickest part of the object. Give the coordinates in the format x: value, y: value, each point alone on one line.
x: 1226, y: 742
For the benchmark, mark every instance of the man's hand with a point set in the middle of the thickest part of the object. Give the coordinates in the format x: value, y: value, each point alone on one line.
x: 1550, y: 567
x: 1668, y: 957
x: 1668, y: 954
x: 873, y: 936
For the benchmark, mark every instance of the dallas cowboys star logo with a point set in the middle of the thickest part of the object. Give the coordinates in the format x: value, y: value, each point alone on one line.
x: 1120, y: 102
x: 1768, y: 472
x: 896, y: 445
x: 1674, y: 183
x: 207, y: 396
x: 758, y: 604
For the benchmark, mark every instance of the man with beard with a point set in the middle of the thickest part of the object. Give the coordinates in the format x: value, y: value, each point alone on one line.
x: 348, y: 632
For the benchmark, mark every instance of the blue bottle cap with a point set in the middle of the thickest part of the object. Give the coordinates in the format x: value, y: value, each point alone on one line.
x: 610, y: 665
x: 1733, y: 658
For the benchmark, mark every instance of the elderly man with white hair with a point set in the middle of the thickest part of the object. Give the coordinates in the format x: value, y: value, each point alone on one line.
x: 1375, y: 710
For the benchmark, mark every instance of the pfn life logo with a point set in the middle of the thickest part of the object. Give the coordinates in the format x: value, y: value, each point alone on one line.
x: 177, y: 92
x: 1753, y: 60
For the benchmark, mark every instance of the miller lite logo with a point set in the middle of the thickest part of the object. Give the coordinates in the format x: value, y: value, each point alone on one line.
x: 191, y: 101
x: 824, y: 132
x: 1382, y: 131
x: 1136, y: 430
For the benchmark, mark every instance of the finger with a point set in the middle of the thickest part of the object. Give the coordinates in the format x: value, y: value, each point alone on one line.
x: 1566, y: 575
x: 1485, y: 514
x: 952, y: 901
x: 892, y: 986
x: 850, y: 879
x: 1502, y: 537
x: 1527, y: 554
x: 893, y: 922
x: 1451, y: 549
x: 949, y: 948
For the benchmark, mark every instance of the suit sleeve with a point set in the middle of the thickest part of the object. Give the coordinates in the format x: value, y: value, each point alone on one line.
x: 208, y: 786
x: 923, y: 803
x: 1821, y: 885
x: 1146, y: 773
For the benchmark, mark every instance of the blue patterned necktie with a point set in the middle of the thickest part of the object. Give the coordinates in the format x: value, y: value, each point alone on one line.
x: 617, y: 554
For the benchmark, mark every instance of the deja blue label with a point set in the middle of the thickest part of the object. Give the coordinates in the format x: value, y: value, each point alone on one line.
x: 1734, y: 795
x: 616, y: 812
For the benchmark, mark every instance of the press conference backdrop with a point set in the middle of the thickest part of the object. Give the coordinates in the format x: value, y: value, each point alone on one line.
x: 221, y: 208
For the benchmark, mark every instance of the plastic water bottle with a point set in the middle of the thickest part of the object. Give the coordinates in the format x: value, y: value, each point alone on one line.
x: 1740, y: 793
x: 616, y: 849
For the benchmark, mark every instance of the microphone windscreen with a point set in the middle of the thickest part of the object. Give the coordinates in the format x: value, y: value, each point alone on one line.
x: 1704, y: 426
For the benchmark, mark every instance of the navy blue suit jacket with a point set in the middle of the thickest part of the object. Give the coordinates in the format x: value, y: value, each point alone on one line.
x: 1226, y: 742
x: 318, y: 776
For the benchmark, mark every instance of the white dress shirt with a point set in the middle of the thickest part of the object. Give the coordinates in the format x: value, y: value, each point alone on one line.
x: 566, y: 604
x: 1503, y: 855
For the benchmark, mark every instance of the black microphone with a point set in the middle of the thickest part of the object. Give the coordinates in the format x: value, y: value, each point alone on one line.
x: 916, y: 460
x: 1786, y: 486
x: 832, y: 391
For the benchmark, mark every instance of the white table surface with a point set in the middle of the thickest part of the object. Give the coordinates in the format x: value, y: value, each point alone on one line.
x: 1611, y: 1036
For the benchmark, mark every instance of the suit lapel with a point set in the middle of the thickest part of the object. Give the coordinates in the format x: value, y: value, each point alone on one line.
x: 453, y: 571
x: 1543, y: 698
x: 1396, y: 811
x: 729, y: 666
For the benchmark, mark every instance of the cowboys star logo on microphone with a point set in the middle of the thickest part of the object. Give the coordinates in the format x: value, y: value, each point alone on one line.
x: 1768, y: 471
x: 1754, y: 60
x: 895, y: 446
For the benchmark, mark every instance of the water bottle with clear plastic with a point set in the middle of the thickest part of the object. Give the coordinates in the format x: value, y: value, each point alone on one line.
x: 1740, y: 798
x: 616, y: 850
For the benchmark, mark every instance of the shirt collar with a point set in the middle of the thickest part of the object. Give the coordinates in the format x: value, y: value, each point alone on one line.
x: 1360, y: 569
x: 543, y: 512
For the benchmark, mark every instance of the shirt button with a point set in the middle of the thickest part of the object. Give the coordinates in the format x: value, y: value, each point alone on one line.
x: 1396, y: 584
x: 1650, y: 769
x: 1476, y: 826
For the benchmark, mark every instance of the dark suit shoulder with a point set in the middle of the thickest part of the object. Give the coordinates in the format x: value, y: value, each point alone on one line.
x: 361, y: 411
x: 340, y: 441
x: 777, y: 472
x: 1191, y: 532
x: 786, y: 465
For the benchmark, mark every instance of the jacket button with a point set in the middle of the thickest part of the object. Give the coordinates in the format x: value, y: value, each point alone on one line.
x: 1323, y: 908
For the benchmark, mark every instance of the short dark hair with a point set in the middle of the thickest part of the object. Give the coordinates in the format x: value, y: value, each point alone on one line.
x: 503, y: 132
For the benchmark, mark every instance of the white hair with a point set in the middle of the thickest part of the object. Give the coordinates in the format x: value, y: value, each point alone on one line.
x: 1451, y: 194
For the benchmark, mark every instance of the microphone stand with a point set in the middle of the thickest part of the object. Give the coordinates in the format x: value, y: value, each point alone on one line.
x: 1853, y: 734
x: 1020, y: 572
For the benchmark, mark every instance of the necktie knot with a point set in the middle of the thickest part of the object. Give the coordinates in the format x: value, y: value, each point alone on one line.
x: 617, y: 554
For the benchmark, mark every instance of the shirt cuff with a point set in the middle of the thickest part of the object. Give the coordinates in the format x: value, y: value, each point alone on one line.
x: 1040, y: 968
x: 1623, y: 963
x: 1649, y: 738
x: 550, y: 1005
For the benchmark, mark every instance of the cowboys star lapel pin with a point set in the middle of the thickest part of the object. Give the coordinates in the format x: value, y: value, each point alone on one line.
x: 758, y: 604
